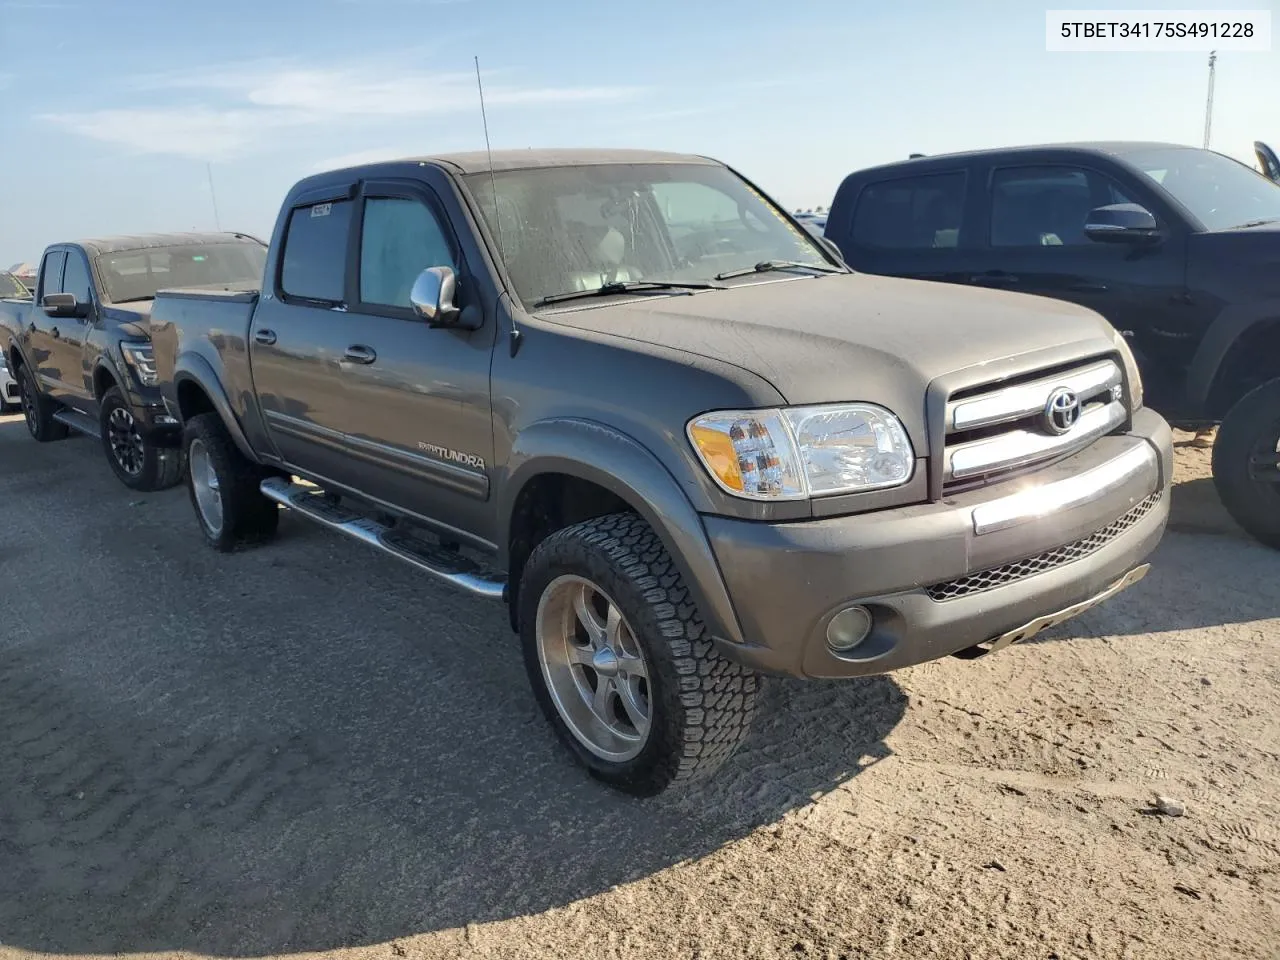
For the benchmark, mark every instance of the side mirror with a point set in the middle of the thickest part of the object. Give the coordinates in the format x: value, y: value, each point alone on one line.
x: 433, y: 296
x: 830, y: 246
x: 1121, y: 223
x: 63, y: 305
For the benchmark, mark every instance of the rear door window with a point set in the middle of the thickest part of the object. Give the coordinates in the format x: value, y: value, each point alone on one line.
x: 315, y: 252
x: 912, y: 213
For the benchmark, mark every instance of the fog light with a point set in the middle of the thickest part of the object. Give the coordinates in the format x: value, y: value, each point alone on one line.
x: 848, y: 628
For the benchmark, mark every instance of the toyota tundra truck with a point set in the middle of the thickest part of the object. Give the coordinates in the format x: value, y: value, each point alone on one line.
x: 628, y: 395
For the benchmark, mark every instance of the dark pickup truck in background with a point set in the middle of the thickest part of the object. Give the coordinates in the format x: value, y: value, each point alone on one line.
x: 629, y: 395
x: 80, y: 352
x: 1178, y: 247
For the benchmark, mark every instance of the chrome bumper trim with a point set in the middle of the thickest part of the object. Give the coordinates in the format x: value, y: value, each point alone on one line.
x: 1036, y: 502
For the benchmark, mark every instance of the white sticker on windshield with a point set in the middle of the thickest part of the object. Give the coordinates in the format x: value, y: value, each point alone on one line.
x: 321, y: 209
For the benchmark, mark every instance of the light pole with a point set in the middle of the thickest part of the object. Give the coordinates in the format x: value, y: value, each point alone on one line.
x: 1208, y: 107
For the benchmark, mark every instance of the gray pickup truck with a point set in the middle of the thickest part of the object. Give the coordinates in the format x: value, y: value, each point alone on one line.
x: 629, y: 395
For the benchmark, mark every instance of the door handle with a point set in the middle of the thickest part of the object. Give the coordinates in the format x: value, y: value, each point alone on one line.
x: 267, y: 337
x: 994, y: 278
x: 358, y: 353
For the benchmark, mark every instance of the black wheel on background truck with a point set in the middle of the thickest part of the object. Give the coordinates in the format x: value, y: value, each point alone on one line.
x: 39, y: 410
x: 224, y: 487
x: 138, y: 464
x: 620, y: 661
x: 1246, y: 463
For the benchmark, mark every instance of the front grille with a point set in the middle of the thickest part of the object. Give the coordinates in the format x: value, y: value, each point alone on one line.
x: 1057, y: 557
x: 994, y: 432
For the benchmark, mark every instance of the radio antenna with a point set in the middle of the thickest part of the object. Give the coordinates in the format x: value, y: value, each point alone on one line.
x: 213, y: 196
x: 497, y: 213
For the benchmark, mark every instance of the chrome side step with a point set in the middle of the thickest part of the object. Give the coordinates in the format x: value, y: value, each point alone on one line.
x: 452, y: 567
x: 79, y: 422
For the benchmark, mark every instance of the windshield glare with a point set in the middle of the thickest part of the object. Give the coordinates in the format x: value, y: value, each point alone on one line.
x: 138, y: 274
x: 567, y: 229
x: 1220, y: 192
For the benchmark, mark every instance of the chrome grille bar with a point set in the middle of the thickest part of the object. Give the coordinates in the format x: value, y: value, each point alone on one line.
x: 1018, y: 448
x: 1027, y: 399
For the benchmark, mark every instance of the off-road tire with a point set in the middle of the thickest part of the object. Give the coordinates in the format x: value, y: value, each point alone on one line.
x: 161, y: 466
x: 702, y: 703
x: 247, y: 516
x: 1254, y: 504
x: 39, y: 416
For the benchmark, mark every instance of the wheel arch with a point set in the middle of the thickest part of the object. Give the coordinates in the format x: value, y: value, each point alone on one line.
x: 105, y: 376
x: 1235, y: 346
x: 623, y: 472
x: 197, y: 390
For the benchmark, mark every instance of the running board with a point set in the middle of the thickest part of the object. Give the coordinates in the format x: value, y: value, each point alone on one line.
x: 79, y: 422
x: 448, y: 565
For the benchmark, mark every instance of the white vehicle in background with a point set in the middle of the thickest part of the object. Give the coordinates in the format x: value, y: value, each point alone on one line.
x: 10, y: 287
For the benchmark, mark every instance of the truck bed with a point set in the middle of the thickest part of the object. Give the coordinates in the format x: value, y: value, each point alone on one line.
x: 211, y: 323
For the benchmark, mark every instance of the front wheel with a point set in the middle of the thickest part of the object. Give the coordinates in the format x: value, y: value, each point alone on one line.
x: 620, y: 661
x: 1246, y: 463
x: 137, y: 463
x: 224, y: 487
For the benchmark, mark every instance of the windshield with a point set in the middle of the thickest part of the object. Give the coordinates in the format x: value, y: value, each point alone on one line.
x: 577, y: 228
x: 1220, y: 192
x: 138, y: 274
x: 10, y: 287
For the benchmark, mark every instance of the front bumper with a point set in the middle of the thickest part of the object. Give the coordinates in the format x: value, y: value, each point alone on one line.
x: 935, y: 584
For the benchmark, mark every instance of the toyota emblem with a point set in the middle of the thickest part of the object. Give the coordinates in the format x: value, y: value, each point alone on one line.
x: 1062, y: 411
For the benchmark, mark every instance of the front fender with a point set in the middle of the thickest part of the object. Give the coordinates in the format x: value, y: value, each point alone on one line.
x: 601, y: 455
x: 105, y: 362
x: 193, y: 368
x: 1227, y: 328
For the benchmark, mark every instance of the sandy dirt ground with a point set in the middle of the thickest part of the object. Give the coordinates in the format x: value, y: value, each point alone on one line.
x: 307, y: 748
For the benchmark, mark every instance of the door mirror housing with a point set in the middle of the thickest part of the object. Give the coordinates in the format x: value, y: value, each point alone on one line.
x: 63, y: 305
x: 433, y: 296
x: 1121, y: 223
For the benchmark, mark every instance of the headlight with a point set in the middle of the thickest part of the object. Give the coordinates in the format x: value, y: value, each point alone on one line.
x: 143, y: 360
x: 1131, y: 371
x: 800, y: 452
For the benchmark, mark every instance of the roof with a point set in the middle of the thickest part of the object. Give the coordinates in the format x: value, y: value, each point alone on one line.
x: 477, y: 161
x: 1109, y: 147
x: 143, y: 241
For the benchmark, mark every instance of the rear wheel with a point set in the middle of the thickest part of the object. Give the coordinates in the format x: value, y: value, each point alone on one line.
x: 224, y: 487
x: 137, y: 463
x: 38, y: 410
x: 1246, y: 463
x: 620, y: 661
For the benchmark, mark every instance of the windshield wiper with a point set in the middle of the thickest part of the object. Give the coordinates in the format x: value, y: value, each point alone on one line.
x: 766, y: 266
x: 1256, y: 223
x: 134, y: 299
x: 624, y: 286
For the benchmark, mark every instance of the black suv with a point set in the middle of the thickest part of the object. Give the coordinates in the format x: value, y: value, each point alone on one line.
x: 1178, y: 247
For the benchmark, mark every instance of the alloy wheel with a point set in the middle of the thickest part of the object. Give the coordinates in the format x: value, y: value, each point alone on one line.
x: 594, y: 668
x: 126, y: 441
x: 205, y: 485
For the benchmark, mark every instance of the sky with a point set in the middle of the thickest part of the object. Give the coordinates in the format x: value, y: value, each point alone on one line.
x: 116, y: 112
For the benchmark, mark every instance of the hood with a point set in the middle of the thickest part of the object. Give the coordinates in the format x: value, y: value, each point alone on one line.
x: 131, y: 319
x: 859, y: 336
